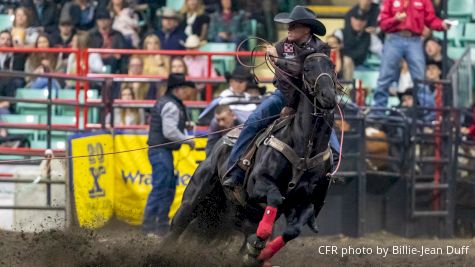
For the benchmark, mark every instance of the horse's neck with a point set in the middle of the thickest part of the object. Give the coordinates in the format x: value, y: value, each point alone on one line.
x: 307, y: 127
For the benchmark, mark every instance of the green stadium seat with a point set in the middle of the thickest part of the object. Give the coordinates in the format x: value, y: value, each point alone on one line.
x: 6, y: 21
x: 57, y: 144
x: 31, y: 108
x: 219, y: 61
x: 22, y: 119
x: 71, y: 110
x: 454, y: 35
x: 175, y: 4
x: 469, y: 34
x: 460, y: 9
x: 372, y: 60
x: 455, y: 52
x: 369, y: 78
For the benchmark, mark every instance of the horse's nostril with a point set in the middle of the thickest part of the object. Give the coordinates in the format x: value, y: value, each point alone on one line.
x: 291, y: 185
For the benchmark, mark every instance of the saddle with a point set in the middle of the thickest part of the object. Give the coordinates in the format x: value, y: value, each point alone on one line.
x: 265, y: 137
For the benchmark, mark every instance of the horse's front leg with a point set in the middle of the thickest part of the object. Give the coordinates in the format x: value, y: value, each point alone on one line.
x: 293, y: 230
x: 257, y: 242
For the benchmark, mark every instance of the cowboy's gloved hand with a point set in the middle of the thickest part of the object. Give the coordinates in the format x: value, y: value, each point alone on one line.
x: 287, y: 111
x: 272, y: 52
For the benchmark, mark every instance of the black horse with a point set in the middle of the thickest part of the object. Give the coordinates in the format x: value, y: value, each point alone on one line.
x: 289, y: 179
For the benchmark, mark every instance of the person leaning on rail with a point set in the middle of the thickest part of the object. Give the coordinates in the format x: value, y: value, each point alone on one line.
x: 303, y: 27
x: 167, y: 124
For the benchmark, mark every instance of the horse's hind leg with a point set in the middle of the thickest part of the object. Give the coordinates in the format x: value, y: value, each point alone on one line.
x: 201, y: 184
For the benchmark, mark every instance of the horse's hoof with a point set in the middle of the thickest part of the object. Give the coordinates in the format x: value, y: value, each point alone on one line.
x: 250, y: 261
x: 254, y: 245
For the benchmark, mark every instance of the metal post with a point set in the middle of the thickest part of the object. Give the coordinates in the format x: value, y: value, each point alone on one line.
x: 48, y: 156
x: 78, y: 86
x: 361, y: 165
x: 209, y: 88
x: 49, y: 113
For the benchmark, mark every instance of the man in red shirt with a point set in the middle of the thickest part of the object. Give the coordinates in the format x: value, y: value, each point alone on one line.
x: 403, y: 22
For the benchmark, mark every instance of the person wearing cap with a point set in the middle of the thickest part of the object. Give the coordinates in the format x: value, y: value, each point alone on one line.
x: 105, y: 37
x: 171, y: 35
x: 63, y: 38
x: 303, y: 28
x: 433, y: 52
x: 372, y: 12
x: 167, y: 124
x: 356, y: 43
x: 238, y: 81
x: 403, y: 21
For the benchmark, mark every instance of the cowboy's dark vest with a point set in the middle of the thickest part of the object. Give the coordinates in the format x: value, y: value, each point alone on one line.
x: 155, y: 135
x: 288, y: 52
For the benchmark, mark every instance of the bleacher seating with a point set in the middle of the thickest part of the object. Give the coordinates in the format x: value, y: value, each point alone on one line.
x: 6, y: 21
x: 461, y: 9
x: 221, y: 63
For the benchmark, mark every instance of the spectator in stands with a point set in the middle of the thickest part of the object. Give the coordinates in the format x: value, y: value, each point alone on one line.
x: 337, y: 56
x: 227, y: 25
x: 197, y: 65
x: 238, y: 81
x: 44, y: 15
x: 9, y: 62
x: 82, y: 13
x: 80, y: 41
x: 40, y: 63
x: 142, y: 90
x: 126, y: 21
x: 105, y: 37
x: 406, y: 98
x: 433, y: 70
x: 128, y: 116
x: 167, y: 125
x: 433, y: 49
x: 23, y: 34
x: 155, y: 64
x: 171, y: 35
x: 195, y: 20
x: 403, y: 22
x: 178, y: 65
x: 356, y: 43
x: 371, y: 11
x: 224, y: 118
x: 63, y: 39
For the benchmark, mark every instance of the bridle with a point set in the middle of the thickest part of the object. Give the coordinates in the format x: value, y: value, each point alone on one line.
x: 313, y: 88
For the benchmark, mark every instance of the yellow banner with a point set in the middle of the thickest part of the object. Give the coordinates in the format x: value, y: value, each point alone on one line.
x: 131, y: 174
x: 93, y: 179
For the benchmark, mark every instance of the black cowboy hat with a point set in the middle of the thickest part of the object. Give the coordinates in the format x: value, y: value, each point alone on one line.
x: 304, y: 16
x: 239, y: 73
x: 176, y: 80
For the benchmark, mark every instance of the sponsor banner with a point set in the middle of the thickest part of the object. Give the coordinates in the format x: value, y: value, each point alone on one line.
x: 131, y: 176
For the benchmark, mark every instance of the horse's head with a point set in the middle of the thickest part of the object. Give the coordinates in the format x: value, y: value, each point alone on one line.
x: 319, y: 78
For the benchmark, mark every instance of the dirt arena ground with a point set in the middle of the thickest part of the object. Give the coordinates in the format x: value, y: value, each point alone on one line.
x: 122, y: 245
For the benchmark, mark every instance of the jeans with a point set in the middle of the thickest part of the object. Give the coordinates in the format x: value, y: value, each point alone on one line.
x: 271, y: 106
x: 163, y: 190
x: 397, y: 47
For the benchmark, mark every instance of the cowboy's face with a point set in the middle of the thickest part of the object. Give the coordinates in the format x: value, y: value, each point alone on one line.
x: 297, y: 32
x: 225, y: 119
x: 238, y: 86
